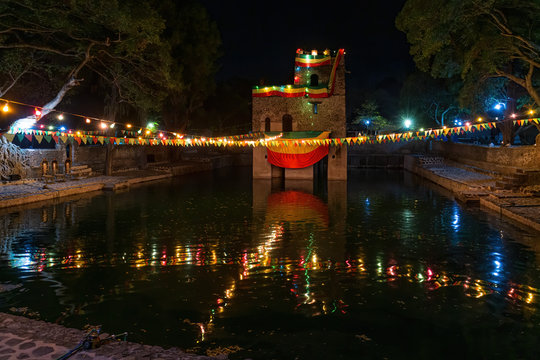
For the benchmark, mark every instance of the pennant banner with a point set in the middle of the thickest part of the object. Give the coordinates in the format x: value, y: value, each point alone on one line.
x: 281, y: 145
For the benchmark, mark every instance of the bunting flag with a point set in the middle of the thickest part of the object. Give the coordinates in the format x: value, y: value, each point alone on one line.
x: 294, y: 145
x: 294, y: 152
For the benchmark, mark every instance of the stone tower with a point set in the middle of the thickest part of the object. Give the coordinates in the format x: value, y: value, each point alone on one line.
x: 314, y: 103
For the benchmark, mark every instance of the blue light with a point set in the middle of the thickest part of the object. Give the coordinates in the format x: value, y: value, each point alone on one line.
x: 367, y: 122
x: 63, y: 128
x: 499, y: 106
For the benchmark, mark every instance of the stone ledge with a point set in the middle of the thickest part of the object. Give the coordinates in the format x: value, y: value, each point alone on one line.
x: 23, y: 338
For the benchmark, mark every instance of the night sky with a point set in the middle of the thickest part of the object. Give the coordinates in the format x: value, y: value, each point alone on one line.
x: 260, y: 40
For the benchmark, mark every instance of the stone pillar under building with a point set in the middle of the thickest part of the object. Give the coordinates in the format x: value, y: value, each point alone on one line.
x: 262, y: 169
x: 337, y: 163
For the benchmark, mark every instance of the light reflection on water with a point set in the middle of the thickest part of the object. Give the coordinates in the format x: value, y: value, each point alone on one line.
x: 200, y: 259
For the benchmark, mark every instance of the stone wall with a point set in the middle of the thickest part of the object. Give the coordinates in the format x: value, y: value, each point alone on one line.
x: 330, y: 111
x: 125, y: 157
x: 330, y: 115
x: 501, y: 159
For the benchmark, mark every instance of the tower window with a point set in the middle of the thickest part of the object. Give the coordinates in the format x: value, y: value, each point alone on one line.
x: 314, y: 80
x: 267, y: 124
x: 287, y: 123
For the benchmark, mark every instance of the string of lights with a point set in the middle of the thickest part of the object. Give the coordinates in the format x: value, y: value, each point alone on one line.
x: 152, y: 136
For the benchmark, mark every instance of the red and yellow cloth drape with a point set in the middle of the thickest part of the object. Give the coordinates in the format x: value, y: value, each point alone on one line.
x: 297, y: 150
x: 289, y: 91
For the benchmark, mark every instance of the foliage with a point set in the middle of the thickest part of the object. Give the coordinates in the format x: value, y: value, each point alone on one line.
x: 194, y: 42
x: 63, y: 42
x: 229, y: 109
x: 432, y: 101
x: 368, y: 117
x: 475, y: 39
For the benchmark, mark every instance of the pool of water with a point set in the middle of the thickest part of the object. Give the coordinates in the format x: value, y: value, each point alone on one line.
x: 385, y: 266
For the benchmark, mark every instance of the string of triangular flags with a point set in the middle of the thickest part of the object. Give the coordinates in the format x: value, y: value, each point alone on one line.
x: 252, y: 140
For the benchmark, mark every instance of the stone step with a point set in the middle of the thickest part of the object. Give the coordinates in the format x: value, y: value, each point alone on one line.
x: 505, y: 185
x: 79, y: 167
x: 512, y: 180
x: 86, y: 170
x: 427, y: 161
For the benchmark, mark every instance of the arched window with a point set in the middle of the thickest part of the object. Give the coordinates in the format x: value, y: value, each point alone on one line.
x: 267, y: 124
x: 286, y: 123
x: 314, y: 80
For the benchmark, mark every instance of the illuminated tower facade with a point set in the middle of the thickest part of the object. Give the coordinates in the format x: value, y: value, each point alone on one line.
x: 313, y: 106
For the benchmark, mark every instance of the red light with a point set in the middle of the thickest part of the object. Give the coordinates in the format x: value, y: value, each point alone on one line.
x: 37, y: 112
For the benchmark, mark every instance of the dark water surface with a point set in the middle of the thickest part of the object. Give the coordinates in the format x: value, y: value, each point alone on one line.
x: 385, y: 267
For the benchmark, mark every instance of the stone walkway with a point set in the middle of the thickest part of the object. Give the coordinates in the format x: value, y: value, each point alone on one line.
x: 28, y: 191
x: 474, y: 187
x: 22, y: 338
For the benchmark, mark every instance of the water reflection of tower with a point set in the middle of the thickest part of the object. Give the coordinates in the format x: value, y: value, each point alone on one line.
x: 311, y: 232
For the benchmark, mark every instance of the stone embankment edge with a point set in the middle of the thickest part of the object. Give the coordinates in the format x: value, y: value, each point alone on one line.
x: 52, y: 194
x: 456, y: 187
x: 107, y: 183
x: 24, y: 338
x: 486, y: 203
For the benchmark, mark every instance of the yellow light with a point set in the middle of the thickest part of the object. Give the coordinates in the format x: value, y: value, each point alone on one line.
x: 78, y: 133
x: 103, y: 125
x: 5, y: 108
x: 531, y: 111
x: 147, y: 132
x: 87, y: 120
x: 313, y: 52
x: 60, y: 117
x: 112, y: 125
x: 128, y: 126
x: 479, y: 119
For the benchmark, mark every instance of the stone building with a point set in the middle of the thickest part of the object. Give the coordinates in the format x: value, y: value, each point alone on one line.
x: 314, y: 103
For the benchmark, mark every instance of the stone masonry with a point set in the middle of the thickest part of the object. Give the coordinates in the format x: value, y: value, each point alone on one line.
x: 330, y: 116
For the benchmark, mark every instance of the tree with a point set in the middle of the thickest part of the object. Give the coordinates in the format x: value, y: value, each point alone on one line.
x: 194, y: 42
x: 368, y: 117
x: 476, y: 40
x: 61, y: 42
x: 432, y: 100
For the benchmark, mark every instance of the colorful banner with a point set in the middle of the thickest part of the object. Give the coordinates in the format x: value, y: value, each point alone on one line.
x: 280, y: 142
x: 290, y: 91
x: 299, y: 153
x: 302, y: 90
x: 305, y: 60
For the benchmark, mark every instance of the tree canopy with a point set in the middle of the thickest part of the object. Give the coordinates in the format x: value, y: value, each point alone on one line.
x: 432, y: 101
x: 142, y: 50
x: 476, y: 39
